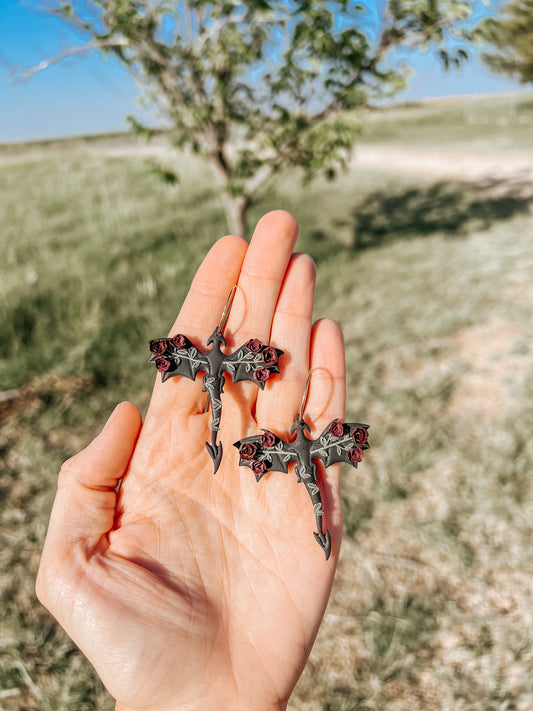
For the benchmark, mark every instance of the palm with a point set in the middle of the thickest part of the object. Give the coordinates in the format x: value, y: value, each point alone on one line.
x: 212, y: 586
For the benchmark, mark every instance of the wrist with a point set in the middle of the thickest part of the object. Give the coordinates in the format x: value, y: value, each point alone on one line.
x: 217, y: 693
x: 205, y: 704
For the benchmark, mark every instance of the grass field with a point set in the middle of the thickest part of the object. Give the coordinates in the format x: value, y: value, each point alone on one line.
x: 504, y: 121
x: 432, y: 281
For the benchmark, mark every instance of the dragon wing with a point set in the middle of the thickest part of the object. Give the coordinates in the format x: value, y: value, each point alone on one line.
x: 341, y: 442
x: 253, y: 361
x: 177, y: 356
x: 265, y: 453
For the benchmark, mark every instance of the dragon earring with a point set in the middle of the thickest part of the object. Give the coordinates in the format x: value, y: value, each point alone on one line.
x: 339, y: 442
x: 253, y: 361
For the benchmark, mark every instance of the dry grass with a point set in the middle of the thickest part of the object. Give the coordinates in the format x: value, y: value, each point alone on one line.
x: 433, y: 603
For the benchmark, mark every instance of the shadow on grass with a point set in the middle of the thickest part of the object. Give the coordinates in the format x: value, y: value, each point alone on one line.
x: 450, y: 208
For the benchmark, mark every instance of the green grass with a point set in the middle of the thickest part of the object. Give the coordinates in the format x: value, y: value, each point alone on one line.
x: 502, y: 121
x: 124, y: 236
x: 431, y: 281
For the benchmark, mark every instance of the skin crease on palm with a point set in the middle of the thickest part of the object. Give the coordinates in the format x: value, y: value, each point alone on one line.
x: 189, y: 590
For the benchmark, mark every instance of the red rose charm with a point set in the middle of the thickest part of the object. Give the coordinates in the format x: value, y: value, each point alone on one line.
x: 336, y: 428
x: 247, y: 451
x: 162, y: 364
x: 158, y: 346
x: 258, y: 467
x: 355, y: 455
x: 254, y: 345
x: 261, y: 374
x: 359, y: 435
x: 268, y: 439
x: 270, y: 357
x: 179, y: 341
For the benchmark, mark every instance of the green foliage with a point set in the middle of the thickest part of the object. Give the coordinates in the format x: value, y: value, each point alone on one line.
x: 264, y: 84
x: 510, y: 40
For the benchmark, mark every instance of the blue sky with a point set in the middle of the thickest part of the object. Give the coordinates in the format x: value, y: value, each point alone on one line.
x: 93, y: 95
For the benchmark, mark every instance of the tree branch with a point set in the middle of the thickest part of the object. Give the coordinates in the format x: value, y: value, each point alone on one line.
x: 20, y: 73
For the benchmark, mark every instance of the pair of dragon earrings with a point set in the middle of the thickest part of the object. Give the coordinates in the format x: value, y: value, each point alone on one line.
x: 256, y: 362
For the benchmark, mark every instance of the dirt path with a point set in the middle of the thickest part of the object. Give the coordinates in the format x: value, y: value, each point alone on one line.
x: 510, y: 169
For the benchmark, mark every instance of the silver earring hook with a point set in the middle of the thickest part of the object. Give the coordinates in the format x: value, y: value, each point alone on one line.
x: 304, y: 397
x: 227, y: 309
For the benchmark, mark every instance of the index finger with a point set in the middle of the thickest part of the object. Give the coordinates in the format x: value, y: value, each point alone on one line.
x: 199, y: 315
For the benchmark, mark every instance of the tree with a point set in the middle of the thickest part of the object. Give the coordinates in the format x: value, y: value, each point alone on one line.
x: 510, y: 39
x: 263, y: 84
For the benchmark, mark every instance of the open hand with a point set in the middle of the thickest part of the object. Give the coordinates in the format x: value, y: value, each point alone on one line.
x: 188, y: 590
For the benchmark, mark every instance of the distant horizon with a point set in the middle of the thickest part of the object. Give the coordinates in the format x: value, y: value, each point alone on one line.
x: 403, y: 103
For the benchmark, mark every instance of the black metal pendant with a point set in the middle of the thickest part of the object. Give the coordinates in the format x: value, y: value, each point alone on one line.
x: 339, y: 442
x: 178, y: 356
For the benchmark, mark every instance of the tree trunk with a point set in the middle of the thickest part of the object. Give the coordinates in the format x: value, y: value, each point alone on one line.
x: 236, y: 209
x: 235, y: 206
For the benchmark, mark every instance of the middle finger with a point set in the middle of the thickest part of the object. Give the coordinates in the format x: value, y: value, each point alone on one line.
x: 261, y: 277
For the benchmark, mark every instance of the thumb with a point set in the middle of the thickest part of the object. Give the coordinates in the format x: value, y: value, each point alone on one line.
x: 84, y: 507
